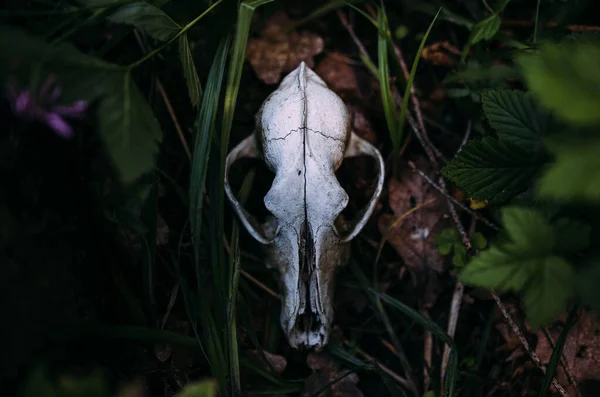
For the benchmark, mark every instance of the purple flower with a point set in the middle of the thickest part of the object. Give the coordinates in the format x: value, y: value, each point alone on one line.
x: 41, y: 106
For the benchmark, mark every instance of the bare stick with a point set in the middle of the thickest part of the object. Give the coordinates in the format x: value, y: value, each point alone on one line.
x: 403, y: 381
x: 452, y: 322
x: 525, y: 343
x: 452, y: 199
x: 167, y: 102
x: 427, y: 353
x: 466, y: 137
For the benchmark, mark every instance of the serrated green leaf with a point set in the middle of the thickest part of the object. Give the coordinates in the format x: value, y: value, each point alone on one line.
x: 485, y: 29
x: 479, y: 241
x: 547, y: 294
x: 189, y: 70
x: 494, y: 170
x: 575, y: 173
x: 514, y: 116
x: 529, y: 230
x: 566, y: 79
x: 499, y: 269
x: 206, y: 388
x: 148, y: 18
x: 571, y: 236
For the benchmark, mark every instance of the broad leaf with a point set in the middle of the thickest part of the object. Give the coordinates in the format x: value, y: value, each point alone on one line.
x: 128, y: 127
x: 528, y: 263
x: 500, y: 269
x: 189, y: 70
x: 493, y: 170
x: 575, y: 174
x: 148, y: 18
x: 528, y: 230
x: 566, y: 79
x: 514, y: 116
x: 485, y: 29
x: 125, y: 121
x: 549, y: 290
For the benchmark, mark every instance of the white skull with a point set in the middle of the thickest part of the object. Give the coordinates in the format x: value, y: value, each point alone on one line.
x: 303, y: 134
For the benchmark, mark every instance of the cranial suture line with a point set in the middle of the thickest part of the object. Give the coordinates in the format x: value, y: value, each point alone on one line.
x: 303, y: 134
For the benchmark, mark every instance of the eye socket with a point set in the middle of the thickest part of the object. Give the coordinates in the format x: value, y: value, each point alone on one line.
x: 263, y: 179
x: 357, y: 176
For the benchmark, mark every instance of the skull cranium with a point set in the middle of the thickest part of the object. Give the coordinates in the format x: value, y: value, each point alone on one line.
x: 303, y: 134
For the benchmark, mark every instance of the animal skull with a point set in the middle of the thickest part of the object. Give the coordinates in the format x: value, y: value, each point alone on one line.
x: 303, y: 134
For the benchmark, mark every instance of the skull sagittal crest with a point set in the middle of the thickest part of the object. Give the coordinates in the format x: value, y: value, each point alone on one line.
x: 303, y: 134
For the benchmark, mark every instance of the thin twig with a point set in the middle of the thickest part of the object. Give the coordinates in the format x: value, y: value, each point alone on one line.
x: 525, y: 343
x: 452, y: 199
x: 427, y: 353
x: 167, y: 102
x: 259, y: 284
x: 413, y: 97
x: 403, y: 381
x: 172, y: 300
x: 452, y: 322
x: 573, y: 28
x: 466, y: 137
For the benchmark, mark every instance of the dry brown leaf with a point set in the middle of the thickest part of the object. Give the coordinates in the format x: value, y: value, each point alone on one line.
x: 438, y: 53
x: 277, y: 362
x: 324, y: 372
x: 278, y: 51
x: 581, y: 350
x: 414, y: 236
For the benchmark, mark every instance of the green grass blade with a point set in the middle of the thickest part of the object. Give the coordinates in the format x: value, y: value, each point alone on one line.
x: 411, y: 77
x: 227, y: 282
x: 387, y: 96
x: 449, y: 383
x: 205, y: 124
x: 557, y: 352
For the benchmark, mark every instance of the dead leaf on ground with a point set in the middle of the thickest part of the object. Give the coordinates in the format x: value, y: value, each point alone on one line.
x: 581, y: 351
x: 439, y: 53
x: 414, y: 236
x: 278, y: 51
x: 324, y: 372
x: 277, y: 362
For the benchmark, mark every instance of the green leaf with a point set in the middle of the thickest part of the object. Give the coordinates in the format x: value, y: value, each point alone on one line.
x: 446, y: 239
x: 148, y: 18
x: 566, y: 79
x: 125, y: 121
x: 499, y: 269
x: 128, y: 127
x: 575, y: 174
x: 459, y: 259
x: 549, y: 291
x: 493, y: 170
x: 189, y: 70
x: 529, y: 230
x: 205, y: 388
x: 485, y: 29
x: 478, y: 240
x: 514, y: 116
x: 526, y: 263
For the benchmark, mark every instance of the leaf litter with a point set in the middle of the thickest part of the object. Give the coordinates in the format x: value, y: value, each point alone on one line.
x: 413, y: 238
x: 278, y: 51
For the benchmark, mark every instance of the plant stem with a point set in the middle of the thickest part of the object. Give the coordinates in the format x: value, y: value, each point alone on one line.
x: 172, y: 39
